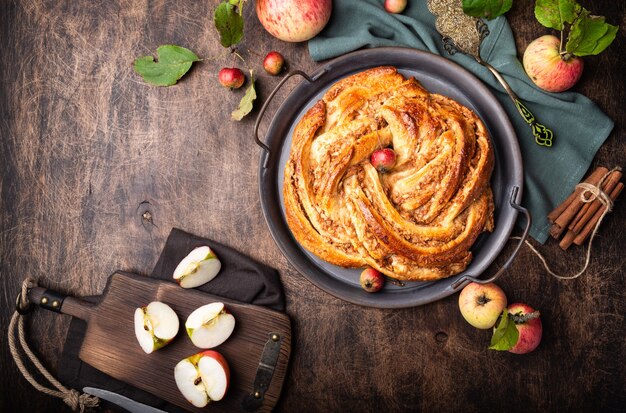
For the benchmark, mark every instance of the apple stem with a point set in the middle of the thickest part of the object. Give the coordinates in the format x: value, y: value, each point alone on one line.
x: 482, y: 300
x: 254, y: 53
x: 236, y: 53
x: 519, y: 318
x: 565, y: 56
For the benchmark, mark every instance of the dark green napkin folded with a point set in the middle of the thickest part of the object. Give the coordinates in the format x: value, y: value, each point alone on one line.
x: 579, y: 127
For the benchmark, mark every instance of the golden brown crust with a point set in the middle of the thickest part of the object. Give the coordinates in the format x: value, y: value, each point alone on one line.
x: 415, y: 222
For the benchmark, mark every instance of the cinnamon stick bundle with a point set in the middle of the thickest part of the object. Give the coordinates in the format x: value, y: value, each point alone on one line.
x: 579, y: 214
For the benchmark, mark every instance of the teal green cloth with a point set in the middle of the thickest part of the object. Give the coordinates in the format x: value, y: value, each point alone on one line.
x: 579, y: 126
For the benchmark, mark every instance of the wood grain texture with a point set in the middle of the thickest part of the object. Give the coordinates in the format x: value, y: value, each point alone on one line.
x: 110, y: 344
x: 87, y: 148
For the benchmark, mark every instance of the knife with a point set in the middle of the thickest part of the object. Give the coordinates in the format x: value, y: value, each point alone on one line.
x: 122, y: 401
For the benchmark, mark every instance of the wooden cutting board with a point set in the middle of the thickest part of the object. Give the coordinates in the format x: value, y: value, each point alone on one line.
x: 111, y: 347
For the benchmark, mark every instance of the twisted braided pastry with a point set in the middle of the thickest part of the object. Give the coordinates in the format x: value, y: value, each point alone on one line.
x: 415, y: 222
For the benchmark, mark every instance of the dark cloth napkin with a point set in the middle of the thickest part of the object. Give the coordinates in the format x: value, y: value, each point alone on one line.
x: 240, y: 278
x: 579, y: 127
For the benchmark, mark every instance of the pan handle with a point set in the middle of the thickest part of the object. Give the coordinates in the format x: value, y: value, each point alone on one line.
x: 60, y: 303
x: 269, y: 99
x: 463, y: 281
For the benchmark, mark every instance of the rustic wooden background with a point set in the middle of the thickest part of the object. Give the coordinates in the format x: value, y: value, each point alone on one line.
x: 87, y: 148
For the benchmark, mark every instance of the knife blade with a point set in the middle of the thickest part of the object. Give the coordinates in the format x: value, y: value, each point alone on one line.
x: 124, y: 402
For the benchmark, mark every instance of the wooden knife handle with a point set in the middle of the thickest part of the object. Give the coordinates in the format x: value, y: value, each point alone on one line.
x: 60, y: 303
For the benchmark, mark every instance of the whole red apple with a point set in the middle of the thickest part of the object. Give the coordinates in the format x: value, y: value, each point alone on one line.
x: 528, y: 325
x: 383, y: 159
x: 231, y: 77
x: 548, y: 68
x: 482, y: 304
x: 273, y: 63
x: 395, y: 6
x: 372, y: 280
x: 294, y: 20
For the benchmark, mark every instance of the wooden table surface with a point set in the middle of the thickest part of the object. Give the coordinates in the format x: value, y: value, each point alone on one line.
x: 88, y: 148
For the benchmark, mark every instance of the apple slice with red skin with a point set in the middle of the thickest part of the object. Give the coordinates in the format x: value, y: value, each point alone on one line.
x: 155, y: 326
x: 203, y: 377
x: 210, y: 325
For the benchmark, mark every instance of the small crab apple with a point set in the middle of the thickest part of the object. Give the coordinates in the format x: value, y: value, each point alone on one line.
x: 383, y: 159
x: 395, y: 6
x: 231, y: 77
x: 273, y: 63
x: 372, y: 280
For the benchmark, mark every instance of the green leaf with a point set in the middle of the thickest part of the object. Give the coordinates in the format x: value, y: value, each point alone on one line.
x: 239, y: 4
x: 590, y: 35
x: 505, y: 336
x: 555, y: 13
x: 172, y: 63
x: 229, y: 24
x: 246, y: 103
x: 489, y: 9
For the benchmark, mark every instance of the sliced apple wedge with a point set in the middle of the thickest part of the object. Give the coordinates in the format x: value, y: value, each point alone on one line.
x: 203, y: 377
x: 155, y: 326
x: 210, y: 325
x: 197, y: 268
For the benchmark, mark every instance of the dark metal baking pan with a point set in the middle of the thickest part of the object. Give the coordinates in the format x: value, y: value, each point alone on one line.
x: 438, y: 75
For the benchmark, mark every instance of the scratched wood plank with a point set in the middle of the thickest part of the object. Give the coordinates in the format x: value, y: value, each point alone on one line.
x: 109, y: 343
x: 97, y: 167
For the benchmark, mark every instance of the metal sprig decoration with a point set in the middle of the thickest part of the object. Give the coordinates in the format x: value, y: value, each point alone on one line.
x: 464, y: 34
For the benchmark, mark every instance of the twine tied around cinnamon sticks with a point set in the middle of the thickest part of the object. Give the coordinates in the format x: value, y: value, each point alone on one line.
x: 71, y: 397
x: 581, y: 214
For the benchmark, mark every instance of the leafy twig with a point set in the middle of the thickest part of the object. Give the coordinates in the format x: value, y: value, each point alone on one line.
x: 246, y: 103
x: 229, y: 24
x: 586, y: 34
